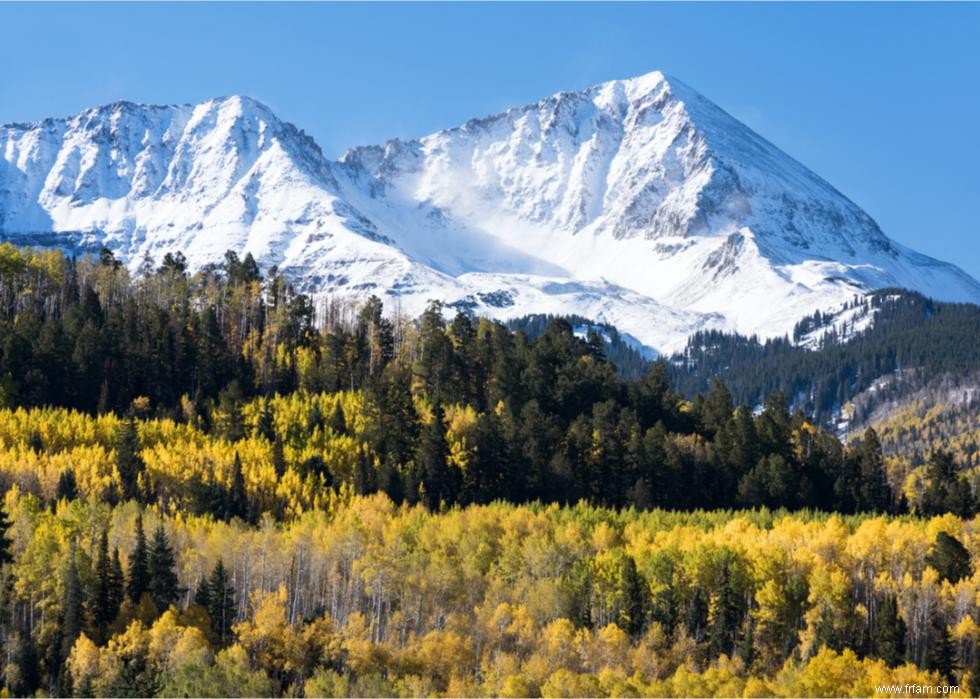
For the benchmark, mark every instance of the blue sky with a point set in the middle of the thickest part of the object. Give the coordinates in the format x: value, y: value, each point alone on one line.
x: 880, y: 99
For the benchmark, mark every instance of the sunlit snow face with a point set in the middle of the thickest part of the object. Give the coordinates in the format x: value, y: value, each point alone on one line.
x: 636, y: 202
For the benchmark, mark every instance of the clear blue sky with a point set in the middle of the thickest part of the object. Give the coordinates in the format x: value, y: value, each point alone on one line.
x: 883, y: 100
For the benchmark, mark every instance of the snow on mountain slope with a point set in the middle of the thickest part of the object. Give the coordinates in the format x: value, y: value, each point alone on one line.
x: 225, y: 174
x: 636, y: 202
x: 646, y: 184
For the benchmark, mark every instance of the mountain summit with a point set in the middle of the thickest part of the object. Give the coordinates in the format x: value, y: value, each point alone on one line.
x: 635, y: 202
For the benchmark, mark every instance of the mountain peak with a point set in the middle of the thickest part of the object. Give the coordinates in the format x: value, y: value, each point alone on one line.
x: 636, y: 202
x: 242, y: 105
x: 639, y: 85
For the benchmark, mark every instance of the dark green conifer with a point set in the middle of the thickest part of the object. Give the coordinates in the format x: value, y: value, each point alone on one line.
x: 102, y: 602
x: 726, y: 616
x: 435, y: 476
x: 266, y: 426
x: 278, y: 457
x: 139, y: 565
x: 338, y: 421
x: 221, y: 601
x: 635, y: 604
x: 950, y: 558
x: 202, y: 593
x: 71, y: 607
x: 67, y: 486
x: 718, y: 406
x: 117, y: 583
x: 5, y: 544
x: 237, y: 495
x: 888, y: 638
x: 874, y: 495
x: 941, y: 654
x: 27, y: 678
x: 129, y: 463
x: 164, y: 587
x: 363, y: 473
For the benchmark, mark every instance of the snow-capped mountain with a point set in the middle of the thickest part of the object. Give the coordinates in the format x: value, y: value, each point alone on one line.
x: 636, y: 202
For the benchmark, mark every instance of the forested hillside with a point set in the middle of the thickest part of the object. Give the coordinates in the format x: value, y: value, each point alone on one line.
x: 911, y: 336
x: 214, y: 486
x: 939, y: 431
x: 456, y: 412
x: 629, y: 361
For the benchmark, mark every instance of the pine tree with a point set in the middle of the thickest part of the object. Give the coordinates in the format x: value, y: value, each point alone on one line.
x: 651, y: 395
x: 230, y: 401
x: 363, y: 473
x: 950, y: 558
x: 390, y: 480
x: 888, y: 638
x: 102, y: 611
x: 35, y: 443
x: 71, y: 608
x: 745, y: 449
x: 117, y: 583
x: 773, y: 425
x: 941, y: 654
x: 314, y: 419
x: 434, y: 358
x: 5, y: 544
x: 139, y: 565
x: 874, y: 495
x: 67, y: 486
x: 237, y: 496
x: 105, y: 403
x: 484, y: 475
x: 726, y: 616
x: 278, y: 457
x: 745, y: 649
x: 948, y: 490
x: 250, y: 269
x: 633, y: 611
x: 27, y: 679
x: 163, y: 584
x: 129, y: 463
x: 718, y: 406
x: 338, y: 421
x: 221, y: 601
x: 202, y: 594
x: 435, y: 475
x: 266, y: 426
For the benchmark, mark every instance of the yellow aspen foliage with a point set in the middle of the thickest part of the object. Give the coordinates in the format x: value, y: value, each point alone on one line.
x: 514, y: 686
x: 337, y: 594
x: 832, y: 674
x: 172, y: 645
x: 265, y: 635
x: 85, y: 662
x: 565, y: 683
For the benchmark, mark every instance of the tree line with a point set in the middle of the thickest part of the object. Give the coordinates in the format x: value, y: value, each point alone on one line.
x: 436, y: 411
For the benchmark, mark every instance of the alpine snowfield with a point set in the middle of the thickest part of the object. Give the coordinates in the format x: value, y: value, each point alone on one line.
x: 637, y: 203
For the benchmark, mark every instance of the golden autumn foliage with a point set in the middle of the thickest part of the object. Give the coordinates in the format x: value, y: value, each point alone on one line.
x: 367, y: 597
x: 914, y: 432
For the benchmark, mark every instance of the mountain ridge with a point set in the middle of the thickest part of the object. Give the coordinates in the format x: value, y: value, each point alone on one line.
x: 635, y: 202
